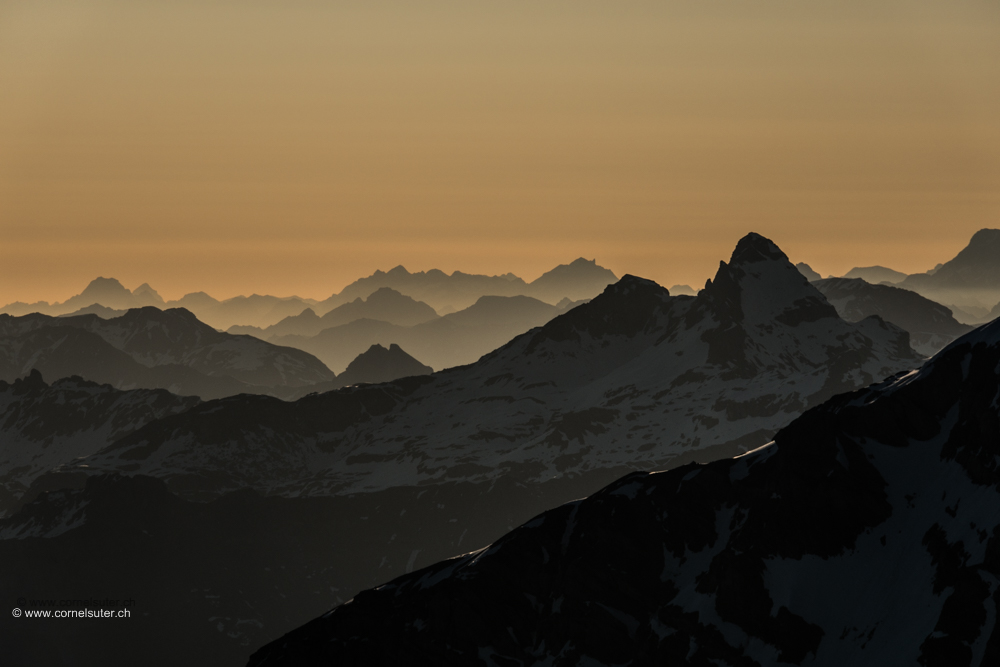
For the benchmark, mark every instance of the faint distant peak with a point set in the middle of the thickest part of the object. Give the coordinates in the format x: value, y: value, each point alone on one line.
x: 399, y: 270
x: 807, y: 271
x: 105, y: 286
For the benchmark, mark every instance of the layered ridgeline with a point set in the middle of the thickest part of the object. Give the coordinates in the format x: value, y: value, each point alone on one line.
x: 357, y: 486
x: 581, y: 279
x: 152, y: 348
x: 578, y: 280
x: 455, y: 339
x: 931, y: 326
x: 970, y: 281
x: 634, y: 378
x: 866, y: 534
x: 42, y: 425
x: 108, y: 293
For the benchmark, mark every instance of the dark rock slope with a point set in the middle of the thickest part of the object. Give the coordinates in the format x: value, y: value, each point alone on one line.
x: 152, y: 348
x: 43, y: 425
x: 379, y: 364
x: 867, y: 533
x: 931, y: 325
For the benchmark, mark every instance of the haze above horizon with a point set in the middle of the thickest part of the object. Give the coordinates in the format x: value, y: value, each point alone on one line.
x: 240, y: 148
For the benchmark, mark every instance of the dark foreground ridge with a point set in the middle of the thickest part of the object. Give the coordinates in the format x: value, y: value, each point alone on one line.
x: 868, y: 533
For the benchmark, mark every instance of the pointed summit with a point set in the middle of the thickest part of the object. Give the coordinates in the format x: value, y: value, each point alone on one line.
x: 755, y: 248
x: 761, y: 286
x: 147, y: 295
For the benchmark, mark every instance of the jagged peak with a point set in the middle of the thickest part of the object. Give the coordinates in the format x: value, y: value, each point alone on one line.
x: 756, y: 248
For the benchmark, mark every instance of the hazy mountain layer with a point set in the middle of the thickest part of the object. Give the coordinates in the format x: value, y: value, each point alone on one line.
x: 384, y: 304
x: 148, y: 347
x: 866, y: 534
x: 452, y: 340
x: 581, y: 279
x: 876, y: 274
x: 931, y: 325
x: 971, y: 280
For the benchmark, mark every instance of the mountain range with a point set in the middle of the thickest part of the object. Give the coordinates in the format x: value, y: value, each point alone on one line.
x: 931, y: 326
x: 867, y: 533
x: 455, y: 339
x: 581, y: 279
x: 258, y: 514
x: 152, y: 348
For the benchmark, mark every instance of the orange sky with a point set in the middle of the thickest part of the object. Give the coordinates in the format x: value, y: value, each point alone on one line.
x: 239, y: 147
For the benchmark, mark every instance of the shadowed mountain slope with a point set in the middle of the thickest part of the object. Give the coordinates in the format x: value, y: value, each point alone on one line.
x: 866, y: 534
x: 931, y: 325
x: 42, y: 425
x: 148, y: 347
x: 379, y: 364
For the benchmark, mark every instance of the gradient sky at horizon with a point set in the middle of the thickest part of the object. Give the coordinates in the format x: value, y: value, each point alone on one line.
x: 290, y: 148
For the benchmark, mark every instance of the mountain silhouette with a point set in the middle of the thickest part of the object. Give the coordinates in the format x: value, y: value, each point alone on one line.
x: 970, y: 281
x: 451, y: 340
x: 931, y: 326
x: 581, y: 279
x: 865, y: 534
x: 876, y: 275
x: 807, y: 271
x: 379, y: 364
x: 635, y: 377
x: 150, y: 348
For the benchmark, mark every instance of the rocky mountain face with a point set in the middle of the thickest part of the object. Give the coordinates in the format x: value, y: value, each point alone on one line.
x: 43, y: 425
x: 151, y: 348
x: 455, y: 339
x: 866, y: 533
x: 931, y: 326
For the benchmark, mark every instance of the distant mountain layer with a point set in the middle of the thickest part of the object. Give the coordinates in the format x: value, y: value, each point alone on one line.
x: 876, y: 274
x: 443, y: 342
x: 581, y: 279
x: 970, y: 283
x: 150, y: 348
x: 931, y: 325
x: 866, y: 534
x: 45, y: 425
x: 107, y: 294
x: 379, y: 364
x: 807, y: 271
x: 384, y: 304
